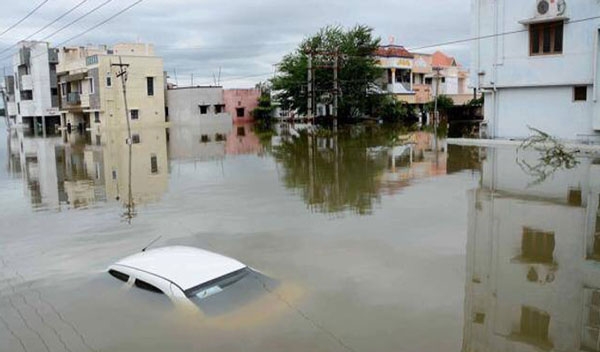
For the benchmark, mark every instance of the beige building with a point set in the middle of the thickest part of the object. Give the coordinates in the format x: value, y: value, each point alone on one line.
x: 91, y: 94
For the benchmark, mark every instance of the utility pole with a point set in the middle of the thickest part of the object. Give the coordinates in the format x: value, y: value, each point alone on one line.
x: 435, y: 109
x: 176, y: 80
x: 309, y: 92
x: 192, y: 79
x: 336, y: 87
x: 123, y: 75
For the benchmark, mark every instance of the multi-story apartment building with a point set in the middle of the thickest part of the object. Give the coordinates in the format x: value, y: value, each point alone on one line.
x: 533, y: 269
x: 35, y: 87
x: 537, y: 65
x: 398, y: 65
x: 414, y: 77
x: 91, y: 91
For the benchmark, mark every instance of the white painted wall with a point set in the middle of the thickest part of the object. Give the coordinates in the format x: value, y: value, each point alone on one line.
x: 183, y: 104
x: 38, y: 80
x: 503, y: 63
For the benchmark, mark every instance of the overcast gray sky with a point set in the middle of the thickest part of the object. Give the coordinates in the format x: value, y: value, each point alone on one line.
x: 244, y: 38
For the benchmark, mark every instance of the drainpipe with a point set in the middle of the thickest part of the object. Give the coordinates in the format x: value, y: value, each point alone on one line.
x: 595, y: 68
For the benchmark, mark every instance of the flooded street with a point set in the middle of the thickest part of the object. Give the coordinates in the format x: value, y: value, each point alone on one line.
x: 370, y: 247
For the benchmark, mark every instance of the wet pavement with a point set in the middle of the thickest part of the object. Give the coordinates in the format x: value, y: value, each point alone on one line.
x: 374, y: 246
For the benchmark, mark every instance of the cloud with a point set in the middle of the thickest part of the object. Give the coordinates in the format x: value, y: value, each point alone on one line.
x: 243, y: 38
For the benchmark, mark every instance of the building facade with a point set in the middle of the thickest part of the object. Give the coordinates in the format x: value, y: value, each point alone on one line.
x: 197, y: 105
x: 35, y: 105
x: 537, y: 66
x: 91, y: 90
x: 241, y: 102
x: 414, y: 77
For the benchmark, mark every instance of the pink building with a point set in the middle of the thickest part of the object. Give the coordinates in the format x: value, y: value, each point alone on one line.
x: 240, y: 103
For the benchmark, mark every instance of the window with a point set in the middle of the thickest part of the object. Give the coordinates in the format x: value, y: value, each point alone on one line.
x: 580, y: 93
x: 91, y: 85
x: 240, y: 112
x: 53, y: 91
x: 135, y: 114
x: 108, y: 80
x: 96, y: 116
x: 537, y: 246
x: 574, y: 197
x: 241, y: 132
x: 203, y: 109
x: 114, y: 174
x: 596, y: 253
x: 146, y: 286
x: 153, y: 164
x: 26, y: 95
x: 479, y: 318
x: 429, y: 80
x: 150, y: 85
x: 135, y: 138
x: 119, y: 275
x: 98, y: 140
x: 534, y: 324
x: 546, y: 38
x: 591, y: 321
x: 219, y: 109
x: 204, y: 138
x: 220, y: 137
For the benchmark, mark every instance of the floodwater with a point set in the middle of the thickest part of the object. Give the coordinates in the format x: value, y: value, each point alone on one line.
x: 368, y: 245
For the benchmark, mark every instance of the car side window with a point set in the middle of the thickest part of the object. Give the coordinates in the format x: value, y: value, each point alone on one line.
x: 119, y: 275
x: 146, y: 286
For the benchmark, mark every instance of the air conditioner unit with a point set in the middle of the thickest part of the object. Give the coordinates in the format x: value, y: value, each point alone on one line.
x: 550, y: 8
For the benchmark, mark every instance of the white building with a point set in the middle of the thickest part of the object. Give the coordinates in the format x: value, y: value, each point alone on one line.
x: 35, y: 87
x: 537, y: 66
x: 197, y: 105
x: 533, y: 269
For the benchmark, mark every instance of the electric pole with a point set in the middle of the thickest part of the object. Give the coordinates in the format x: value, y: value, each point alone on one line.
x: 435, y: 109
x: 336, y: 87
x: 123, y: 75
x: 309, y: 92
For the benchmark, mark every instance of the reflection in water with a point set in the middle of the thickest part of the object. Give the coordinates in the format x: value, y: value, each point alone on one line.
x: 533, y: 276
x: 351, y: 169
x: 72, y: 172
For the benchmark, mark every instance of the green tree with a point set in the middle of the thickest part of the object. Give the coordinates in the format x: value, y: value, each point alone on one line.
x: 357, y: 74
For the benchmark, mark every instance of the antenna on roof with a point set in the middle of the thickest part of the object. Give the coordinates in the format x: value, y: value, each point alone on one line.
x: 151, y: 243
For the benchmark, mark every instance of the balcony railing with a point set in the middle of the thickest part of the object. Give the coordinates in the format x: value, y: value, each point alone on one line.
x: 73, y: 98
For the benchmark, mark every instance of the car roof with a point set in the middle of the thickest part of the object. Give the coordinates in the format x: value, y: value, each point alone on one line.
x: 186, y: 267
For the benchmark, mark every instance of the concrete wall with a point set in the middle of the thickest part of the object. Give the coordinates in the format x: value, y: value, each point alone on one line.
x: 503, y: 63
x: 184, y: 106
x: 550, y: 109
x: 241, y: 98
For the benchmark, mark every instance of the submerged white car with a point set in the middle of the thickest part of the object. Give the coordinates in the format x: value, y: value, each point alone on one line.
x: 191, y: 274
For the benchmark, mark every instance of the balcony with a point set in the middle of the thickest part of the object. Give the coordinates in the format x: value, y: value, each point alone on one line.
x: 24, y: 57
x: 399, y: 88
x: 74, y: 98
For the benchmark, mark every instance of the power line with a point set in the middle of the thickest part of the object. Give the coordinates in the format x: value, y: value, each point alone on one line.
x: 89, y: 29
x: 24, y: 18
x: 100, y: 23
x: 47, y: 25
x: 77, y: 19
x: 490, y: 36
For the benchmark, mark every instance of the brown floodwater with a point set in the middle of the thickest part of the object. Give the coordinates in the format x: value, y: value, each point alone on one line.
x: 371, y: 245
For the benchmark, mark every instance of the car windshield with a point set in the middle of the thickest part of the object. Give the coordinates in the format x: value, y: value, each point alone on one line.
x: 231, y: 291
x: 217, y: 285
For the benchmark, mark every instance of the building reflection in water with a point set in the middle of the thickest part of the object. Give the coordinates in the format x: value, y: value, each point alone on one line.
x: 533, y: 275
x: 211, y: 141
x: 350, y: 170
x: 75, y: 171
